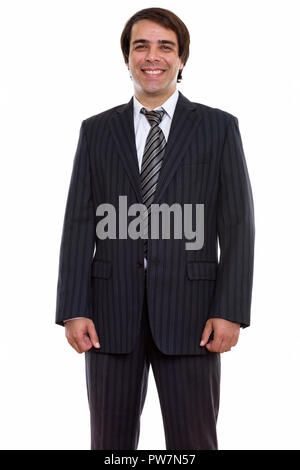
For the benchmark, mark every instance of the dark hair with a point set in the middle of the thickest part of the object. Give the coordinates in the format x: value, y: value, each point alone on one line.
x: 165, y: 18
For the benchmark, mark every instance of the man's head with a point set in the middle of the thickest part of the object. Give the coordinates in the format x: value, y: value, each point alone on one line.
x: 155, y: 47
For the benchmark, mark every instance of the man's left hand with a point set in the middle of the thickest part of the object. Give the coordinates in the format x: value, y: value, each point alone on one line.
x: 226, y: 335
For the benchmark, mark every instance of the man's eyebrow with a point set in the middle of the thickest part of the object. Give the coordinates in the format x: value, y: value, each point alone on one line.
x: 160, y: 41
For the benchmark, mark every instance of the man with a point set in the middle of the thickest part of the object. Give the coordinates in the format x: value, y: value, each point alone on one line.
x: 137, y: 301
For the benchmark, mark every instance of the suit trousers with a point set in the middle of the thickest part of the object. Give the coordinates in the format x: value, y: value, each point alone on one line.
x: 188, y: 388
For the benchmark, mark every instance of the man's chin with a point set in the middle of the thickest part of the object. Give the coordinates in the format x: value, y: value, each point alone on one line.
x: 152, y: 90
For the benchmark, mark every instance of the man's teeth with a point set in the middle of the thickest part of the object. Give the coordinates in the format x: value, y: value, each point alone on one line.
x: 153, y: 71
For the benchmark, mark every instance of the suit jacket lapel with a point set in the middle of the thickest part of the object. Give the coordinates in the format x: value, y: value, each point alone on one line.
x: 182, y: 128
x: 122, y: 128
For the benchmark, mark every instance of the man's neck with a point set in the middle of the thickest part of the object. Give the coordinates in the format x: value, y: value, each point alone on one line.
x: 153, y: 101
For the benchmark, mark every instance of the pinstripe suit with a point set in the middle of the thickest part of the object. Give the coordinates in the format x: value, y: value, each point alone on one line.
x: 104, y: 279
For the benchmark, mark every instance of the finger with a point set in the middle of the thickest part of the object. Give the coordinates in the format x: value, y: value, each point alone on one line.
x: 218, y: 344
x: 84, y: 343
x: 206, y: 333
x: 71, y: 339
x: 73, y: 344
x: 93, y: 335
x: 214, y: 345
x: 210, y: 346
x: 228, y: 346
x: 223, y: 346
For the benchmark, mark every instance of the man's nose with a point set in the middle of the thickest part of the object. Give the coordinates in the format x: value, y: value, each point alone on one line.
x: 153, y: 54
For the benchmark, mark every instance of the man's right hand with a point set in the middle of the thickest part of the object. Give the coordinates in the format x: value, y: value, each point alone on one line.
x: 81, y: 334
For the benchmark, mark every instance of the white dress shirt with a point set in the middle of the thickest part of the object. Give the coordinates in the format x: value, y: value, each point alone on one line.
x: 142, y: 127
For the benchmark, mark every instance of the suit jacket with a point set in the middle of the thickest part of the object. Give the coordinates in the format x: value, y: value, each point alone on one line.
x: 204, y: 163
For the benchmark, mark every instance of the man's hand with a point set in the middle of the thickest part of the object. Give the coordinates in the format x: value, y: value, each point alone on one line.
x: 226, y: 335
x: 81, y: 334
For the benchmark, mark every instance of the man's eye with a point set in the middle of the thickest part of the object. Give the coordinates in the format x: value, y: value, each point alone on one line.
x: 163, y: 47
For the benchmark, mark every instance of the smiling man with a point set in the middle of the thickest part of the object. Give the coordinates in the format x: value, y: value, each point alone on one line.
x: 132, y: 302
x: 153, y: 61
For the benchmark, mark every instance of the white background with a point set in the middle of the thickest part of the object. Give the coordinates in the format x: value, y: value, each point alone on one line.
x: 61, y: 63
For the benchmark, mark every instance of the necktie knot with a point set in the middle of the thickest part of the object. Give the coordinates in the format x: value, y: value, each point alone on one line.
x: 154, y: 117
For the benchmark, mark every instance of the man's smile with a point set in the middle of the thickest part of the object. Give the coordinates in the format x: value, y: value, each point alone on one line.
x: 152, y: 72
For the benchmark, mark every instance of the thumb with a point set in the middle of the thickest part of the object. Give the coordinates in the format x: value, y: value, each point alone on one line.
x: 206, y: 332
x: 93, y: 335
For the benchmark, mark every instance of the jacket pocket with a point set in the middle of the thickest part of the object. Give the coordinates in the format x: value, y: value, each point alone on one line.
x: 203, y: 270
x: 101, y: 269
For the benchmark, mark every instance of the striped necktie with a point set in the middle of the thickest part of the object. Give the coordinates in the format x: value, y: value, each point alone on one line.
x: 151, y: 164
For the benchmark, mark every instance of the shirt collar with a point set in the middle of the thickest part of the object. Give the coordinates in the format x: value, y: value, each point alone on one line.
x: 169, y: 105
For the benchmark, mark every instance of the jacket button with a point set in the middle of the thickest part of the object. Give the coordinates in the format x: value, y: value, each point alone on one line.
x: 139, y: 264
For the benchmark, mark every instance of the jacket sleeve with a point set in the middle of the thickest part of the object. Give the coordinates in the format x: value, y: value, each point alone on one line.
x: 78, y: 241
x: 236, y: 233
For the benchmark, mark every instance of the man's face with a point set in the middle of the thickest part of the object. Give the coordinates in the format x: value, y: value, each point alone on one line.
x: 153, y: 58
